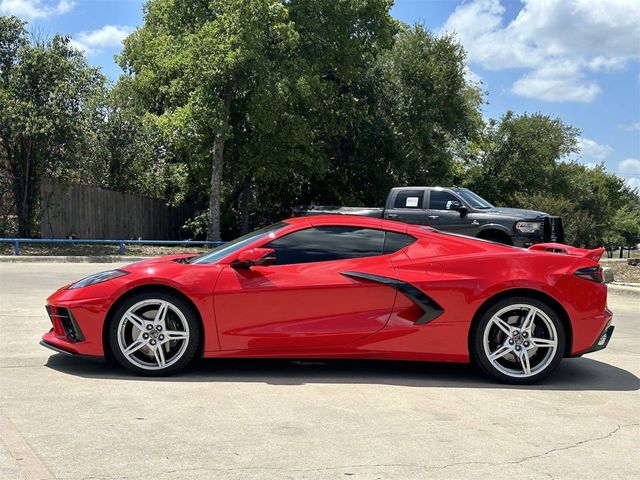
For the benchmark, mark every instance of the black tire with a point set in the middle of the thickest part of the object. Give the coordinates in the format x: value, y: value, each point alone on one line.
x: 505, y: 367
x: 179, y: 312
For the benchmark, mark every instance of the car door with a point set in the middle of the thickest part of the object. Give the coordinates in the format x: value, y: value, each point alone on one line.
x: 408, y: 206
x: 304, y: 300
x: 443, y: 218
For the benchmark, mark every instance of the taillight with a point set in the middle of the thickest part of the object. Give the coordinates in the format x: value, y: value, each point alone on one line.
x: 593, y: 274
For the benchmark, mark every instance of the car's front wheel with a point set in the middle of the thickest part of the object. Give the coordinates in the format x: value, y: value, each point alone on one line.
x: 518, y: 340
x: 154, y: 333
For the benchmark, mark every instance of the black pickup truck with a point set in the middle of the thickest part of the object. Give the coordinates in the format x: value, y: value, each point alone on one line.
x: 457, y: 210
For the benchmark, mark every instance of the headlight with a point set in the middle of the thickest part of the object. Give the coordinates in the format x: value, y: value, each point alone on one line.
x: 529, y: 227
x: 98, y: 278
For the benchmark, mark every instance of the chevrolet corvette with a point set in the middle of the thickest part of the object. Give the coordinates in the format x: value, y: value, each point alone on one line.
x: 343, y: 287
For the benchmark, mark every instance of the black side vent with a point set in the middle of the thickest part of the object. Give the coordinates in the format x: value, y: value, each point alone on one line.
x: 431, y: 310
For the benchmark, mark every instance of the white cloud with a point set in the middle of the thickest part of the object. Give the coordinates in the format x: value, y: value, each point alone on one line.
x: 629, y: 165
x: 94, y: 41
x: 30, y: 9
x: 590, y: 149
x: 560, y: 41
x: 632, y: 127
x: 557, y: 82
x: 629, y: 169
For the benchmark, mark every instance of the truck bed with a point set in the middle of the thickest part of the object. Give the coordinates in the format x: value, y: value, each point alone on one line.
x: 372, y: 212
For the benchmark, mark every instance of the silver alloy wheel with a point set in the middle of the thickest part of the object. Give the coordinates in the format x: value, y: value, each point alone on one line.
x: 153, y: 334
x: 520, y: 340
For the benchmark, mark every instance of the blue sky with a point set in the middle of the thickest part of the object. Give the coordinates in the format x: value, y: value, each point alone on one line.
x: 575, y: 59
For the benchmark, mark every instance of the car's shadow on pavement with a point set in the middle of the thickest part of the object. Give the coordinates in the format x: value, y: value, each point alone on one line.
x: 578, y: 374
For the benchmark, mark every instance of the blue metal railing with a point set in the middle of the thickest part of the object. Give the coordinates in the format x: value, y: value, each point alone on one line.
x: 121, y: 243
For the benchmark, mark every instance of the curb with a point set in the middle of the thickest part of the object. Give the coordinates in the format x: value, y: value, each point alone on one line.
x: 625, y: 290
x: 69, y: 259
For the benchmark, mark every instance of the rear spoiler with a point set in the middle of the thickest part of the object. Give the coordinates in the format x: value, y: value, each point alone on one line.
x: 594, y: 254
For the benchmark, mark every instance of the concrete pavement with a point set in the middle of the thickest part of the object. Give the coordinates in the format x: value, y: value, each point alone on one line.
x: 63, y: 418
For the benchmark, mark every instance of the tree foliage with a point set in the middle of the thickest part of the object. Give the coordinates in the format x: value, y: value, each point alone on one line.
x: 244, y: 108
x: 47, y: 95
x: 518, y: 156
x: 199, y: 66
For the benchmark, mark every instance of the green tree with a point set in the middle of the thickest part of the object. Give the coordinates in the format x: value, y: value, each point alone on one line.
x: 430, y: 104
x: 129, y: 150
x: 192, y: 63
x: 595, y: 205
x: 625, y: 224
x: 305, y: 155
x: 412, y: 108
x: 47, y: 99
x: 518, y: 156
x: 255, y: 95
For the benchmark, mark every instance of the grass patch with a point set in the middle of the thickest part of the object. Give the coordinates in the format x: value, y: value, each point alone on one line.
x: 622, y: 272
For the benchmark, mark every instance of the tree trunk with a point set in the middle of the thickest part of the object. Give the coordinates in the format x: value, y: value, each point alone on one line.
x: 213, y: 232
x: 217, y: 162
x: 244, y: 205
x: 25, y: 189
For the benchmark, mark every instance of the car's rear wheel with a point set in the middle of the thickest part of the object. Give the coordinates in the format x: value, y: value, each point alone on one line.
x: 154, y: 333
x: 518, y: 340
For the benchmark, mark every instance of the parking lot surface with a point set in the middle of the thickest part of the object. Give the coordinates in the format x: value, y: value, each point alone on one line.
x: 64, y: 418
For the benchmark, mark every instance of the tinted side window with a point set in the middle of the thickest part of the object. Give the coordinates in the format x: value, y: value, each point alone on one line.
x: 409, y: 199
x: 394, y: 241
x: 319, y: 244
x: 438, y: 199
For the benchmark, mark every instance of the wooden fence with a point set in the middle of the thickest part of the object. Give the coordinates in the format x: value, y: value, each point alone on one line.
x: 83, y: 211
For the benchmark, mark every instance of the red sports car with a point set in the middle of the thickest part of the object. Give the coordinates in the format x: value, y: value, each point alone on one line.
x: 343, y: 287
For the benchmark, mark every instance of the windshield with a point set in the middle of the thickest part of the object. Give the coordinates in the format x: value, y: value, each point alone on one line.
x: 476, y: 201
x: 234, y: 245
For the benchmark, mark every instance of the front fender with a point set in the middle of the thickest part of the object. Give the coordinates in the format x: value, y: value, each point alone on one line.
x: 495, y: 226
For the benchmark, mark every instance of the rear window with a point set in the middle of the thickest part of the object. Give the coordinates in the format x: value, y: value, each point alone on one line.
x: 409, y: 199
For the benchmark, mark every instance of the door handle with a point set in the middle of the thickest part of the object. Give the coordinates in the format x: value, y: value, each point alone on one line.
x: 433, y: 217
x: 392, y: 215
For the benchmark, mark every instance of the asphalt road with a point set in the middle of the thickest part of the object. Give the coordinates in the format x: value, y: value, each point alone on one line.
x: 63, y: 418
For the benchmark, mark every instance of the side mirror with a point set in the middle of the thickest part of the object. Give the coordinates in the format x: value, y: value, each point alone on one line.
x: 254, y: 257
x: 457, y: 206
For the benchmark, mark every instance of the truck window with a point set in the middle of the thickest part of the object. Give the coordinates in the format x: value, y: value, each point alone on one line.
x: 409, y: 199
x: 321, y: 244
x: 438, y: 199
x: 476, y: 201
